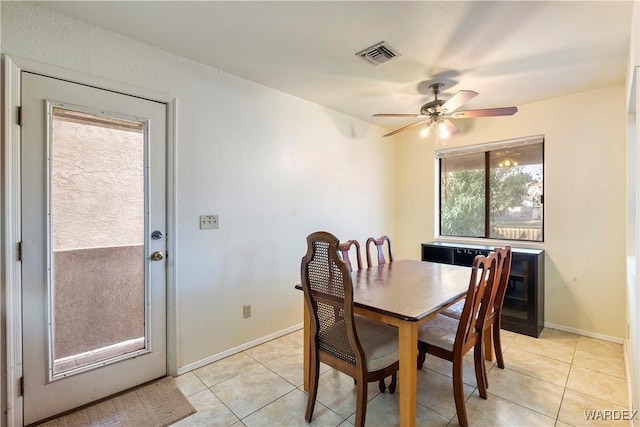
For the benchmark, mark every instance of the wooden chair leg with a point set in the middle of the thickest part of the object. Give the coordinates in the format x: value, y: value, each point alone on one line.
x: 381, y: 385
x: 314, y: 366
x: 458, y: 392
x: 497, y: 345
x: 422, y: 354
x: 394, y: 380
x: 361, y: 403
x: 484, y: 374
x: 481, y: 371
x: 480, y: 363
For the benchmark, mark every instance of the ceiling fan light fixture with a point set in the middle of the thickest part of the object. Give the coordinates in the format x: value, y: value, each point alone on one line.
x: 425, y: 131
x: 508, y: 163
x: 444, y: 132
x: 438, y: 112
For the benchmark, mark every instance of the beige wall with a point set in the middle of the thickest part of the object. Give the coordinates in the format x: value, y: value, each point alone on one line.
x: 585, y: 164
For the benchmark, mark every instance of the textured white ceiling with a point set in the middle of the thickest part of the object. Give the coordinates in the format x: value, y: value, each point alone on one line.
x: 511, y: 52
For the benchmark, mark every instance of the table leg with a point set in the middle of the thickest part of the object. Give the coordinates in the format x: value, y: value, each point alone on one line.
x: 306, y: 346
x: 408, y: 355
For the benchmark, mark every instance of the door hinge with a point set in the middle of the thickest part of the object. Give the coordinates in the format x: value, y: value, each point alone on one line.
x: 19, y: 116
x: 21, y: 386
x: 19, y: 251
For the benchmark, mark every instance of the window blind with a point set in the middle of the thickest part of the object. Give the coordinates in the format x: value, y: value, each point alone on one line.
x: 489, y: 146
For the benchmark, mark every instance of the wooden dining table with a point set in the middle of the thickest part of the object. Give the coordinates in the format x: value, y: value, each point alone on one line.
x: 404, y: 294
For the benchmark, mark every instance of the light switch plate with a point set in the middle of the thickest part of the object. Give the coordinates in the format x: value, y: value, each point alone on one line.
x: 208, y: 222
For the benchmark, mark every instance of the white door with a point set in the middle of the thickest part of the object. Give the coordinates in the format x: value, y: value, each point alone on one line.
x: 93, y: 243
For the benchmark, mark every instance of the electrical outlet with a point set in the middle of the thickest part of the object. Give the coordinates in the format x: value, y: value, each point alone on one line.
x: 246, y: 311
x: 208, y: 222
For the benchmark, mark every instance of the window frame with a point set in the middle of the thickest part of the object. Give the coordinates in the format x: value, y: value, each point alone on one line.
x: 486, y: 149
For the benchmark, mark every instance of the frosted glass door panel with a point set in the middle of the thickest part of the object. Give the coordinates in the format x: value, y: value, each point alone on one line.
x: 97, y: 239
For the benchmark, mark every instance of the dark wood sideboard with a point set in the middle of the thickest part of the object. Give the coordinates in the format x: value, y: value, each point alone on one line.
x: 523, y: 307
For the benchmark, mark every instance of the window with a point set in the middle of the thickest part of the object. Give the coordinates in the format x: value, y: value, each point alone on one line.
x: 493, y: 190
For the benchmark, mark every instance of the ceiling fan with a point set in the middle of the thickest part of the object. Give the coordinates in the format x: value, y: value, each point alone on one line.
x: 437, y: 113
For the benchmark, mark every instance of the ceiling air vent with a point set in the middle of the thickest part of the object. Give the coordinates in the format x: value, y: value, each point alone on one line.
x: 378, y: 53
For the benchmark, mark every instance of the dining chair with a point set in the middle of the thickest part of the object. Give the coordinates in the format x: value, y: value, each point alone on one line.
x: 450, y: 339
x: 362, y: 348
x: 345, y: 248
x: 494, y: 318
x: 379, y: 244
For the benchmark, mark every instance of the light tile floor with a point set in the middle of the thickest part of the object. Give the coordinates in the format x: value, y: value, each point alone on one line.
x: 549, y: 381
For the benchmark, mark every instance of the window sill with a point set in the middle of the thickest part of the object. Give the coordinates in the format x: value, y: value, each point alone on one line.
x: 490, y: 242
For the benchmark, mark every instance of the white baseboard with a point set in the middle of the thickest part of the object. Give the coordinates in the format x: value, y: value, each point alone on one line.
x: 589, y: 334
x: 238, y: 349
x: 627, y: 372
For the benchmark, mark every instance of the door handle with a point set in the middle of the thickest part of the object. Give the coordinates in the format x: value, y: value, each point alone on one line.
x: 156, y: 256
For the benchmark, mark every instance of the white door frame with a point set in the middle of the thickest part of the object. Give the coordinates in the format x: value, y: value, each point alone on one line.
x: 10, y: 266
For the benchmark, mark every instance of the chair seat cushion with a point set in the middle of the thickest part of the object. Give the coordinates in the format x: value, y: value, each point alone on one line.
x: 379, y: 342
x: 439, y: 331
x: 455, y: 310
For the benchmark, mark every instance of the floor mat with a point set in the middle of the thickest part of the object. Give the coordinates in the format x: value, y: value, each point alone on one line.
x: 155, y: 405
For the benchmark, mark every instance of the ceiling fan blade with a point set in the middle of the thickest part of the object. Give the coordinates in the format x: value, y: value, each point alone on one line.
x: 406, y: 127
x: 458, y: 100
x: 398, y: 115
x: 487, y: 112
x: 449, y: 127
